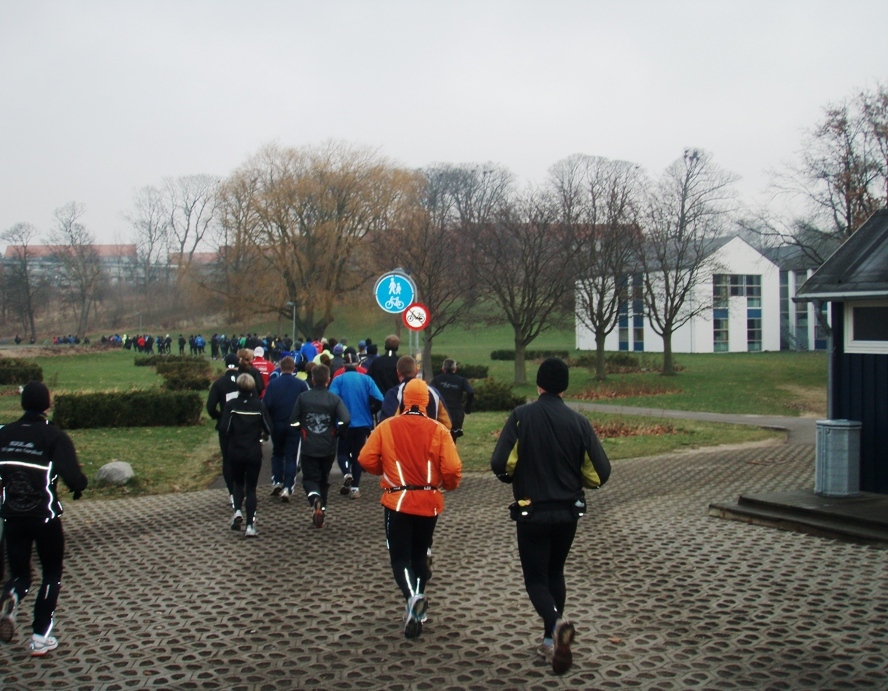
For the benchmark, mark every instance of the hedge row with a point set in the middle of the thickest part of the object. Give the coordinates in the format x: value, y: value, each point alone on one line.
x: 494, y: 395
x: 16, y: 371
x: 128, y: 409
x: 165, y: 369
x: 192, y: 374
x: 529, y: 354
x: 466, y: 370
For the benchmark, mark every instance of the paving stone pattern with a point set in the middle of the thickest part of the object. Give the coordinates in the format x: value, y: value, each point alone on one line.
x: 160, y: 593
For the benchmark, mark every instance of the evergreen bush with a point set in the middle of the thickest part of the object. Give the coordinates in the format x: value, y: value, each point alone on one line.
x: 466, y: 370
x: 153, y: 408
x: 494, y: 395
x: 190, y: 375
x: 17, y: 371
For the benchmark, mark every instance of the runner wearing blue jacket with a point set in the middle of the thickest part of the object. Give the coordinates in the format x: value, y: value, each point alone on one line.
x: 280, y: 397
x: 362, y: 398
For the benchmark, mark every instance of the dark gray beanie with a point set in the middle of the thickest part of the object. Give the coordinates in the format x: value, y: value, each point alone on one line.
x: 553, y: 375
x: 35, y: 397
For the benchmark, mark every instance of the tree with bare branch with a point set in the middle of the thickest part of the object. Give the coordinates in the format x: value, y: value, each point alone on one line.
x: 150, y: 221
x: 190, y: 204
x: 599, y: 202
x: 81, y: 269
x: 26, y: 290
x: 431, y: 237
x: 688, y: 208
x: 520, y: 261
x: 306, y: 212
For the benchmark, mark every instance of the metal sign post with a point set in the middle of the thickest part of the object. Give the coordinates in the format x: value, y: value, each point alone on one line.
x: 416, y: 318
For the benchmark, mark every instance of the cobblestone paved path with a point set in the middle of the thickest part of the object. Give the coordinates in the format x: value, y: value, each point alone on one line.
x: 159, y: 593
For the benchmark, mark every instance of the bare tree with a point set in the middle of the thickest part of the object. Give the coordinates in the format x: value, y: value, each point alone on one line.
x: 688, y: 208
x: 150, y: 221
x: 842, y: 173
x: 307, y: 211
x: 599, y: 206
x: 190, y: 202
x: 81, y: 268
x: 429, y: 238
x: 521, y: 259
x: 26, y: 289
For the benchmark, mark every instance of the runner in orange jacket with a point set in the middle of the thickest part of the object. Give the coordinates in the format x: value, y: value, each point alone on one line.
x: 416, y: 457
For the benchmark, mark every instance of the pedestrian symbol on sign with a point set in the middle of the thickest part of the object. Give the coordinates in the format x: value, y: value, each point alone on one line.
x: 394, y: 291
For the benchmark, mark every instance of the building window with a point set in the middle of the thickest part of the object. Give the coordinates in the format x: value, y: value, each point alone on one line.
x: 637, y: 331
x: 623, y: 324
x: 754, y: 331
x: 720, y: 331
x: 720, y: 291
x: 726, y: 286
x: 866, y: 327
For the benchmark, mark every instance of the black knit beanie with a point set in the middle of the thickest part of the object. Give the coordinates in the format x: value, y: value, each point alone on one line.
x: 553, y: 376
x: 35, y: 397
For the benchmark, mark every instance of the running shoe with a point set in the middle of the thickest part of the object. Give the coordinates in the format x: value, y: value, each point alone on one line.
x: 276, y: 489
x: 564, y: 635
x: 251, y: 531
x: 237, y: 521
x: 318, y: 515
x: 285, y: 495
x: 347, y: 480
x: 355, y: 493
x: 40, y: 645
x: 416, y: 609
x: 8, y: 606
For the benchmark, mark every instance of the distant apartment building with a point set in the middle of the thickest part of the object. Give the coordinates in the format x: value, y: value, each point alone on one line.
x: 119, y: 262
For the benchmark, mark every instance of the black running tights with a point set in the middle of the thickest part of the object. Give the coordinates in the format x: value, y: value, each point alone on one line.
x: 21, y: 535
x: 543, y: 548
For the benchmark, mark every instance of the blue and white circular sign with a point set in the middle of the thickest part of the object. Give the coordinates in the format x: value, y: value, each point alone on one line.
x: 394, y: 291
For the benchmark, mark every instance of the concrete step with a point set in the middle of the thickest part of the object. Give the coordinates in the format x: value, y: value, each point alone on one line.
x: 862, y: 518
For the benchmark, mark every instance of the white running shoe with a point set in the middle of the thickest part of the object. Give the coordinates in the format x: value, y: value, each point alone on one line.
x: 40, y: 645
x: 251, y: 531
x: 285, y: 495
x: 416, y: 612
x: 237, y: 521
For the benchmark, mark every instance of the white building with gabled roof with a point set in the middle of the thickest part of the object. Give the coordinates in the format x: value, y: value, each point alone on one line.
x: 740, y: 299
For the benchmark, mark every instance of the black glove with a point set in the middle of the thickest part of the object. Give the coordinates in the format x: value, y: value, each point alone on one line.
x: 505, y: 477
x: 76, y: 495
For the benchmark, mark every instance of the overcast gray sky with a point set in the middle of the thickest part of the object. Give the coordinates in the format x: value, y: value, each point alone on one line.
x: 102, y: 98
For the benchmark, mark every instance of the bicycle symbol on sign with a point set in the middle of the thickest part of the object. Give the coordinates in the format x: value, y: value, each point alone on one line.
x: 394, y: 303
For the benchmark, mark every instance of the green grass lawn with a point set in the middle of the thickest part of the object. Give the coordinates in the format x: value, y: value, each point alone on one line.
x: 182, y: 459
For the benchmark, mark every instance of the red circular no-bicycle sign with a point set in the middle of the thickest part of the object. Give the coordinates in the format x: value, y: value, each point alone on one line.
x: 416, y: 317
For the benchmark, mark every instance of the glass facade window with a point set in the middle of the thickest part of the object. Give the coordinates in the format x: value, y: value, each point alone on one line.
x: 719, y: 291
x: 623, y: 325
x: 720, y: 335
x: 726, y: 286
x: 754, y: 333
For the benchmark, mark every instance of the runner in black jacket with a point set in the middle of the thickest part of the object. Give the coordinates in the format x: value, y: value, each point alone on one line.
x: 223, y: 390
x: 33, y: 454
x: 245, y: 424
x: 549, y: 453
x: 452, y: 386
